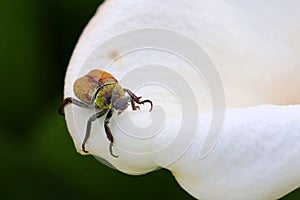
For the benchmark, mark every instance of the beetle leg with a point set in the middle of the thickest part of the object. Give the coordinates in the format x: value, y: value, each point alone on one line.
x: 89, y: 126
x: 108, y: 131
x: 68, y: 100
x: 136, y: 99
x: 133, y: 106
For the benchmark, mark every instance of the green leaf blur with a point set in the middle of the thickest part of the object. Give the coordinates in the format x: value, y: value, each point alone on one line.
x: 38, y: 159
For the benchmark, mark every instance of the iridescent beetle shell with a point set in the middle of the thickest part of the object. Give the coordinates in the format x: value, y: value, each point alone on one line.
x: 101, y: 83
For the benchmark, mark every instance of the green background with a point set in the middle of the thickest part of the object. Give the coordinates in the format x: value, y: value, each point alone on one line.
x: 38, y: 159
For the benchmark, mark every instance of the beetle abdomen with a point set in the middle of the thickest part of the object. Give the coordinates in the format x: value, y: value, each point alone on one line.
x: 86, y: 86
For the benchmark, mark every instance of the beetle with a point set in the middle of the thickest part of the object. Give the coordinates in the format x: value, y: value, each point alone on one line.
x: 99, y: 89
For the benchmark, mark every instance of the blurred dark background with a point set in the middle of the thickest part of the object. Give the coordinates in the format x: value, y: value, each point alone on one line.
x: 38, y: 159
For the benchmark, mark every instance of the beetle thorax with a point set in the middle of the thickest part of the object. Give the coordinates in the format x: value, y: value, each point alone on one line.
x: 107, y: 95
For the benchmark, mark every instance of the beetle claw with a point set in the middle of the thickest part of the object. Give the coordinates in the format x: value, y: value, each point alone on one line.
x: 111, y: 151
x: 83, y: 149
x: 147, y: 101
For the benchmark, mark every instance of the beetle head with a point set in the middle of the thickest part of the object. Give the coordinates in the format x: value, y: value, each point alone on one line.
x: 120, y: 103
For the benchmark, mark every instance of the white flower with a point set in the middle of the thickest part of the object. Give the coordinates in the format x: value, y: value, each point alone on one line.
x: 254, y: 46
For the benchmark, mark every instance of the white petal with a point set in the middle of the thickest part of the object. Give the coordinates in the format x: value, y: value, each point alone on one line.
x: 257, y: 156
x: 254, y: 46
